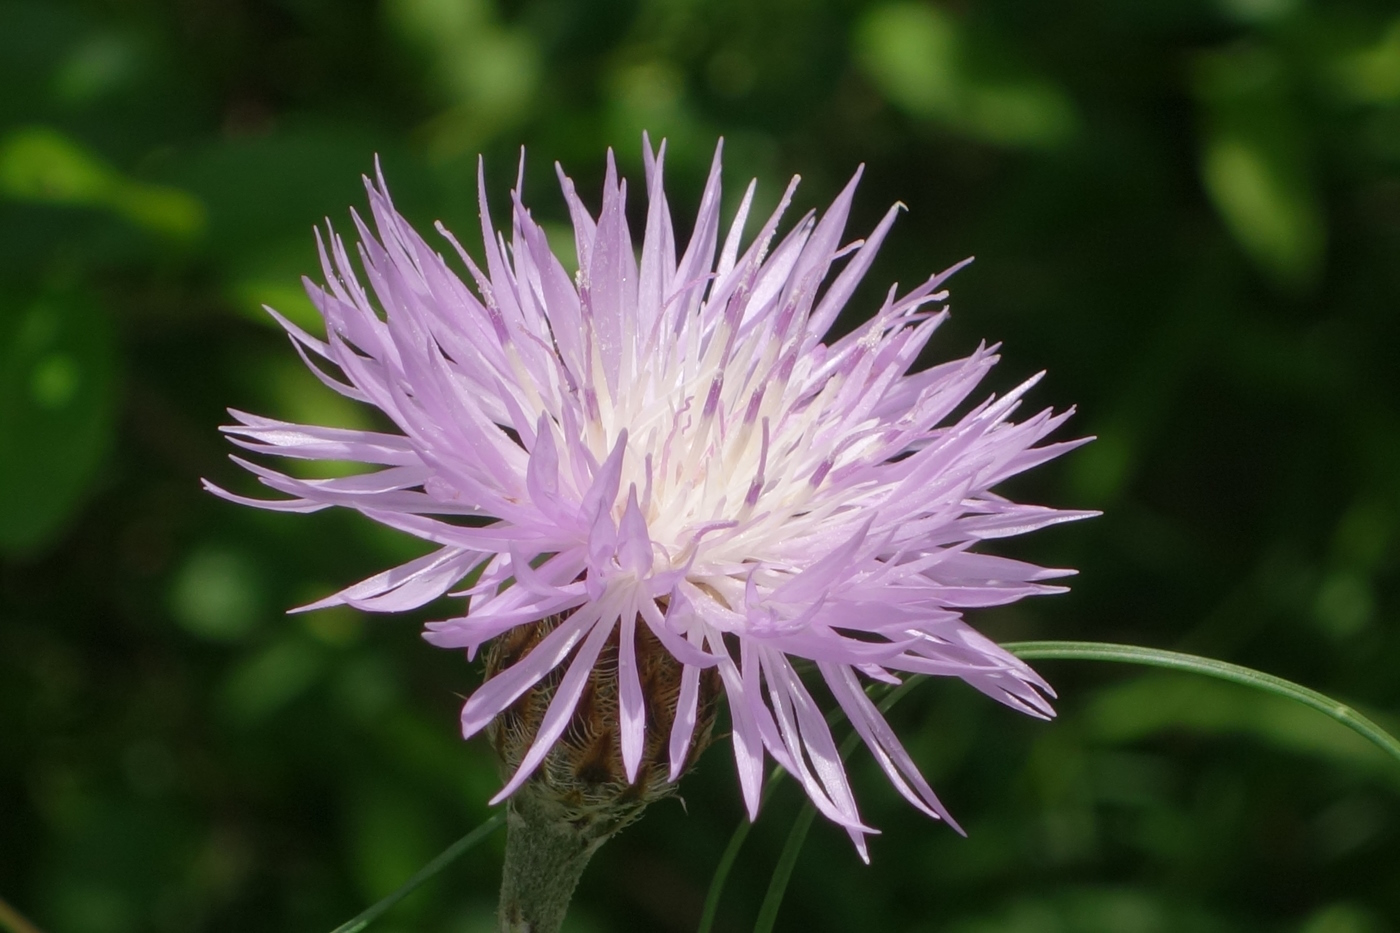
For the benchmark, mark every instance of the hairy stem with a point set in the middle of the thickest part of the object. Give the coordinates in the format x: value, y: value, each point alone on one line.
x: 545, y: 856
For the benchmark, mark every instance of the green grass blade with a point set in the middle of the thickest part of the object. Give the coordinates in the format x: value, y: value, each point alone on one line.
x: 1070, y: 651
x: 731, y: 852
x: 726, y: 863
x: 448, y: 856
x: 777, y: 887
x: 1176, y: 660
x: 768, y: 912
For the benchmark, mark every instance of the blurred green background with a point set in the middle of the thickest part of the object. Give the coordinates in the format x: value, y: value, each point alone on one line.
x: 1188, y: 212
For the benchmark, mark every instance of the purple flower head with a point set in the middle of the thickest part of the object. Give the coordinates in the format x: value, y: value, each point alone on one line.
x: 665, y: 440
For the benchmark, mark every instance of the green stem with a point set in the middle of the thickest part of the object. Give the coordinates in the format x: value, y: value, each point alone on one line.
x: 1175, y: 660
x: 448, y: 856
x: 545, y: 857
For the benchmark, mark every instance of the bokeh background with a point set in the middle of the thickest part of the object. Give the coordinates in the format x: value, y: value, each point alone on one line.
x: 1188, y: 212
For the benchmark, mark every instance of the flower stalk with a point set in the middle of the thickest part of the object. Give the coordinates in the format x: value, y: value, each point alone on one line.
x: 545, y: 857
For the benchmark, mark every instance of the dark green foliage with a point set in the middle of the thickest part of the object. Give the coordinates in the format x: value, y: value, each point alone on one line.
x: 1189, y: 213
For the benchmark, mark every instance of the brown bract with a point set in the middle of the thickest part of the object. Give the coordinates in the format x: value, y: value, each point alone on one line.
x: 583, y: 774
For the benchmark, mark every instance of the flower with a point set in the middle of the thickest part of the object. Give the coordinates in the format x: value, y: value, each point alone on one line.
x: 668, y: 446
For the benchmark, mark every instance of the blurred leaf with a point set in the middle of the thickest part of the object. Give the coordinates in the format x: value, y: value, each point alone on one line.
x: 254, y: 294
x: 436, y: 755
x: 1371, y: 75
x: 217, y: 595
x: 271, y: 679
x: 40, y: 164
x: 1255, y: 164
x: 163, y: 210
x: 110, y: 872
x: 300, y: 397
x: 1259, y: 11
x: 1096, y: 910
x: 57, y: 413
x: 365, y: 686
x: 922, y: 59
x: 265, y: 194
x: 1269, y: 208
x: 650, y: 96
x: 486, y: 71
x: 1364, y: 533
x: 96, y: 907
x: 272, y: 278
x: 427, y: 872
x: 1161, y: 702
x: 1342, y: 918
x: 336, y: 626
x: 1344, y: 604
x: 294, y: 394
x: 97, y: 66
x: 390, y: 837
x: 1100, y: 472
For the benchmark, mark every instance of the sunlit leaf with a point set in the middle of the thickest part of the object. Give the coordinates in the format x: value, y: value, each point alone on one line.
x: 1371, y: 74
x: 486, y: 72
x: 921, y: 59
x: 1255, y: 162
x: 1268, y: 206
x: 40, y: 164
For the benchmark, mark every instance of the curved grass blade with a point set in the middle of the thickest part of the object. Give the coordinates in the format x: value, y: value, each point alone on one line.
x: 448, y: 856
x: 731, y: 852
x: 721, y: 875
x: 1070, y: 651
x: 773, y: 898
x: 1176, y: 660
x: 782, y: 872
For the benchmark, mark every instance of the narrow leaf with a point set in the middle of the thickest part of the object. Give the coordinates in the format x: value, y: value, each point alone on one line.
x: 726, y: 862
x: 782, y: 872
x: 448, y: 856
x: 1041, y: 650
x: 773, y: 899
x: 1176, y: 660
